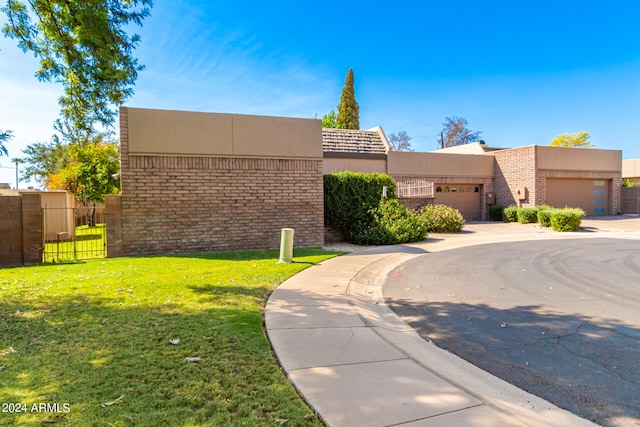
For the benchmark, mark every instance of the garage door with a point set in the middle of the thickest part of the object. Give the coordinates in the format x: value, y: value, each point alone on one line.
x: 588, y: 194
x: 464, y: 197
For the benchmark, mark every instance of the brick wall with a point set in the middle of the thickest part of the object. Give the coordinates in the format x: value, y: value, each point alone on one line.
x: 180, y: 204
x: 516, y: 169
x: 20, y: 230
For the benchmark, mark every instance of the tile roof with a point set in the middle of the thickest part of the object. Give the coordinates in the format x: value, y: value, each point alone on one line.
x: 352, y: 141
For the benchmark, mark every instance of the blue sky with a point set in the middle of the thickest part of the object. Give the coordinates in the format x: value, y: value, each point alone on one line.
x: 520, y: 72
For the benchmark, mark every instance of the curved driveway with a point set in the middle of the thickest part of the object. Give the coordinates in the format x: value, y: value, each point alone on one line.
x: 559, y: 318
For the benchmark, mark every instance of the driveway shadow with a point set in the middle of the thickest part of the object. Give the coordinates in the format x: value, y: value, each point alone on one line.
x: 588, y: 367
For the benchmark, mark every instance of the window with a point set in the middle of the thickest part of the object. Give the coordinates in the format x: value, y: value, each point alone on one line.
x: 598, y: 183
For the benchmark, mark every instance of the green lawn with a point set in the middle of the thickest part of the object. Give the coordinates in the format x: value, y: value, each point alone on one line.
x: 97, y: 336
x: 89, y: 243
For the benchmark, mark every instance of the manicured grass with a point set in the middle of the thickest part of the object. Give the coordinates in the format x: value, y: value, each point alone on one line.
x: 89, y: 243
x: 99, y: 332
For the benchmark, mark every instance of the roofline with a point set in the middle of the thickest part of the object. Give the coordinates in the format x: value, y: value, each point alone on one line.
x: 383, y: 137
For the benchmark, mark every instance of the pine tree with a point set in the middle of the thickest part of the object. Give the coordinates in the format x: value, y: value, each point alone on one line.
x: 348, y: 110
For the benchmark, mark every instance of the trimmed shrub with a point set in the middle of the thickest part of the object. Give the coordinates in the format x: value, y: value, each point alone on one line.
x: 442, y: 219
x: 392, y: 223
x: 567, y: 219
x: 510, y: 213
x: 527, y: 215
x: 544, y: 215
x: 349, y: 198
x: 495, y: 212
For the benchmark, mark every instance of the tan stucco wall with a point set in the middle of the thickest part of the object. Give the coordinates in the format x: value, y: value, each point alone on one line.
x: 631, y: 169
x: 354, y: 165
x: 578, y: 159
x: 439, y: 164
x: 215, y: 134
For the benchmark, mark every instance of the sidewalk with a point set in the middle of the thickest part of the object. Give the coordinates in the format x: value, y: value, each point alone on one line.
x: 357, y: 364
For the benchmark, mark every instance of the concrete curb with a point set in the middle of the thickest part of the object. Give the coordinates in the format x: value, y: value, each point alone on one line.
x: 357, y: 363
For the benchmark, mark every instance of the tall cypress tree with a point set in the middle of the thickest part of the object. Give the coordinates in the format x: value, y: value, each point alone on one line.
x: 348, y: 110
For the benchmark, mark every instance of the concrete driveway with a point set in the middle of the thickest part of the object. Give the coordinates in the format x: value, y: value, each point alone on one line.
x: 558, y: 316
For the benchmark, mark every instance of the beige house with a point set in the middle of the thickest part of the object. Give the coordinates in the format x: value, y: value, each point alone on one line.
x: 471, y: 177
x: 631, y: 171
x: 195, y: 181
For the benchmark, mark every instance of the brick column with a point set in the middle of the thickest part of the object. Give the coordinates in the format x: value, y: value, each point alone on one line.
x: 113, y: 217
x: 31, y: 229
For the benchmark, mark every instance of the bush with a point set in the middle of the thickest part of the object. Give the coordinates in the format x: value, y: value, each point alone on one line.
x: 567, y: 219
x: 527, y: 215
x: 495, y: 212
x: 510, y: 213
x: 544, y: 215
x: 349, y: 198
x: 442, y: 219
x: 392, y: 223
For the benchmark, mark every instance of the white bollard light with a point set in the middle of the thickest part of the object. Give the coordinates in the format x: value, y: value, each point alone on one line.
x: 286, y: 246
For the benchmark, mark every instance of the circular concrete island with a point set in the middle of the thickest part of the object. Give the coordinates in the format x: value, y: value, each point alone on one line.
x: 558, y: 318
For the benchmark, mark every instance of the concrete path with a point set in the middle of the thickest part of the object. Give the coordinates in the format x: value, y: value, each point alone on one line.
x: 357, y: 363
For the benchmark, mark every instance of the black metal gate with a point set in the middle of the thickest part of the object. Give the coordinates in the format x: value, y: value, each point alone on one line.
x: 71, y: 234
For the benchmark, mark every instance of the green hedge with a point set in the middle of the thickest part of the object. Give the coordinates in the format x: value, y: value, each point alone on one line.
x: 442, y: 219
x: 353, y: 206
x: 349, y: 198
x: 510, y: 213
x: 567, y: 219
x: 527, y: 215
x: 495, y: 212
x: 544, y: 217
x: 392, y: 223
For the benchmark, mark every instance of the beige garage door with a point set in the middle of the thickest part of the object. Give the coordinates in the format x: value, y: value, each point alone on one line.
x: 588, y: 194
x: 464, y: 197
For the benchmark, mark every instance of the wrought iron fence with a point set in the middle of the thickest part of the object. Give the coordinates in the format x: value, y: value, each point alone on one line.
x: 71, y: 234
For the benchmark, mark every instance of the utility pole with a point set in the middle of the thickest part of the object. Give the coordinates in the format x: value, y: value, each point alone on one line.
x: 17, y: 161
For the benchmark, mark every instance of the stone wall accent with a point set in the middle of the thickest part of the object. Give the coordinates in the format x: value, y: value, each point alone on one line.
x: 186, y: 203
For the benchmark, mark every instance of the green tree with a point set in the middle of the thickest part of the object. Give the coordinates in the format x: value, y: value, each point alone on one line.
x: 84, y: 46
x: 348, y: 110
x: 400, y: 141
x: 455, y: 132
x: 330, y: 120
x: 578, y: 139
x: 44, y: 159
x: 92, y: 173
x: 4, y: 137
